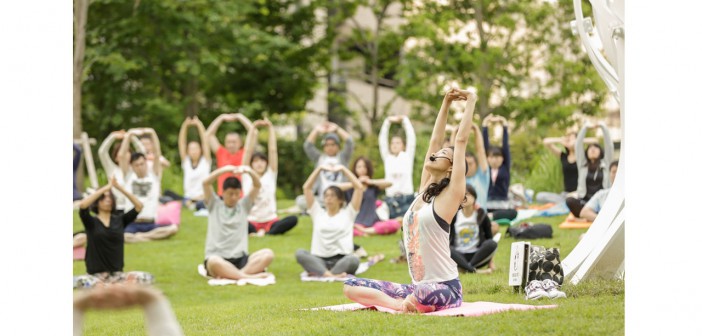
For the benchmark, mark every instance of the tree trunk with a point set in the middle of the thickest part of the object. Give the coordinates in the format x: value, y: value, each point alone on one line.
x: 374, y: 78
x: 335, y: 80
x: 483, y: 75
x: 191, y: 88
x: 80, y: 17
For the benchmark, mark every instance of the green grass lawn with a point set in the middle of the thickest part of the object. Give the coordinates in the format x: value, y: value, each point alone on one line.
x: 593, y: 307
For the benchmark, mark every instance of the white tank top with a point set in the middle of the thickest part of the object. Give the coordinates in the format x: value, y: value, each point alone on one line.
x: 427, y: 245
x: 193, y: 177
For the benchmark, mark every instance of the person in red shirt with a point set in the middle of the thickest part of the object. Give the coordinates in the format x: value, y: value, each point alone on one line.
x: 232, y: 152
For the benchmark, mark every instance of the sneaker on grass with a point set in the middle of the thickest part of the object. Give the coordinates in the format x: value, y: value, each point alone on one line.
x: 551, y: 288
x: 535, y: 290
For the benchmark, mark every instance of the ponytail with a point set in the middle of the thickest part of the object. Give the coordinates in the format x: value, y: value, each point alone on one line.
x: 434, y: 189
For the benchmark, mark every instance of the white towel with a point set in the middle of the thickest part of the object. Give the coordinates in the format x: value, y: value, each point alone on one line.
x: 241, y: 282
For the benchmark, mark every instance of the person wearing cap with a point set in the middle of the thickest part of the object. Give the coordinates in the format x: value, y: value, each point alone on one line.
x: 331, y: 154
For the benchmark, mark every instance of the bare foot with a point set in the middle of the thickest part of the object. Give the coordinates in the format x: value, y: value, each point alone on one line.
x: 361, y: 252
x: 261, y: 275
x: 399, y: 260
x: 408, y: 307
x: 411, y: 305
x: 261, y: 233
x: 376, y: 259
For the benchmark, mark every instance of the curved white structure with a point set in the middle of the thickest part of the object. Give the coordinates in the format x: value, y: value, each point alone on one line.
x: 601, y: 251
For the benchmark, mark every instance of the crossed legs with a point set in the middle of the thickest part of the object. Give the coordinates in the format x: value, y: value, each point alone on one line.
x: 160, y: 232
x: 220, y: 268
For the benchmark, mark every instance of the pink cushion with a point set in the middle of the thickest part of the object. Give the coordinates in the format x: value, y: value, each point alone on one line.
x: 169, y: 213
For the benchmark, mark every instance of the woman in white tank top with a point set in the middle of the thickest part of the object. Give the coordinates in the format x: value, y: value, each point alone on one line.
x: 195, y: 160
x: 435, y: 284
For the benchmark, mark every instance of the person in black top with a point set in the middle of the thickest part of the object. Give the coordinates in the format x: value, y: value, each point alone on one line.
x: 104, y: 255
x: 564, y: 147
x: 499, y: 162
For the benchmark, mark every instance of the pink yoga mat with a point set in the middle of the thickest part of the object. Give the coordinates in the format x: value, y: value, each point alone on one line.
x: 466, y: 309
x: 78, y: 253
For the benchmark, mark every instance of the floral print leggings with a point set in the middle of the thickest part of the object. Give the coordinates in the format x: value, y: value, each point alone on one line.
x: 91, y: 280
x: 440, y: 295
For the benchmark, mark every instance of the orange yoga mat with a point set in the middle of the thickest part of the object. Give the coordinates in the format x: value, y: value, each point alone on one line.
x: 573, y: 223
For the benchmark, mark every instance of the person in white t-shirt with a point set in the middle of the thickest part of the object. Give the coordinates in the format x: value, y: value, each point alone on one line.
x: 145, y: 184
x: 399, y: 165
x: 263, y: 218
x: 196, y: 162
x: 331, y: 254
x: 435, y: 284
x: 471, y: 237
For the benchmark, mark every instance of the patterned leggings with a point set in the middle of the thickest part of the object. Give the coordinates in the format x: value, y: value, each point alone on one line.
x: 91, y: 280
x: 440, y: 295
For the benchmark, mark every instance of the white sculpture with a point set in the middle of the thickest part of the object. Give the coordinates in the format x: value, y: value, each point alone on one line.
x: 601, y: 251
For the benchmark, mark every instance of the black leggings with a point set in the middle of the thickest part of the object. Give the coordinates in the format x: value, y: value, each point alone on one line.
x: 281, y: 226
x: 470, y: 261
x: 575, y: 205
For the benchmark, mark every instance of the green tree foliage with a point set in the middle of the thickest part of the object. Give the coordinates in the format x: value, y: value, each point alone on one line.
x: 151, y: 63
x: 379, y: 46
x: 519, y: 54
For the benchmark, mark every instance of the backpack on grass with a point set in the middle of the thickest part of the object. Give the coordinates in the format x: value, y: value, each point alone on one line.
x: 530, y: 231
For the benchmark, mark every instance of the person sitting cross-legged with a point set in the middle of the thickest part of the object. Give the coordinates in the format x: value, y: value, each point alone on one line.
x: 332, y: 253
x: 227, y: 242
x: 595, y: 204
x: 145, y: 184
x: 104, y: 233
x: 263, y: 217
x: 367, y: 221
x: 471, y: 236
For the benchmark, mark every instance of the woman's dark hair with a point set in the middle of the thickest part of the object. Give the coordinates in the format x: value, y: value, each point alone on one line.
x: 494, y: 151
x: 596, y: 164
x: 258, y: 155
x: 137, y: 156
x: 338, y: 193
x: 195, y: 142
x: 470, y: 154
x: 397, y: 135
x: 115, y: 150
x: 471, y: 190
x: 94, y: 206
x: 369, y: 166
x: 434, y: 189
